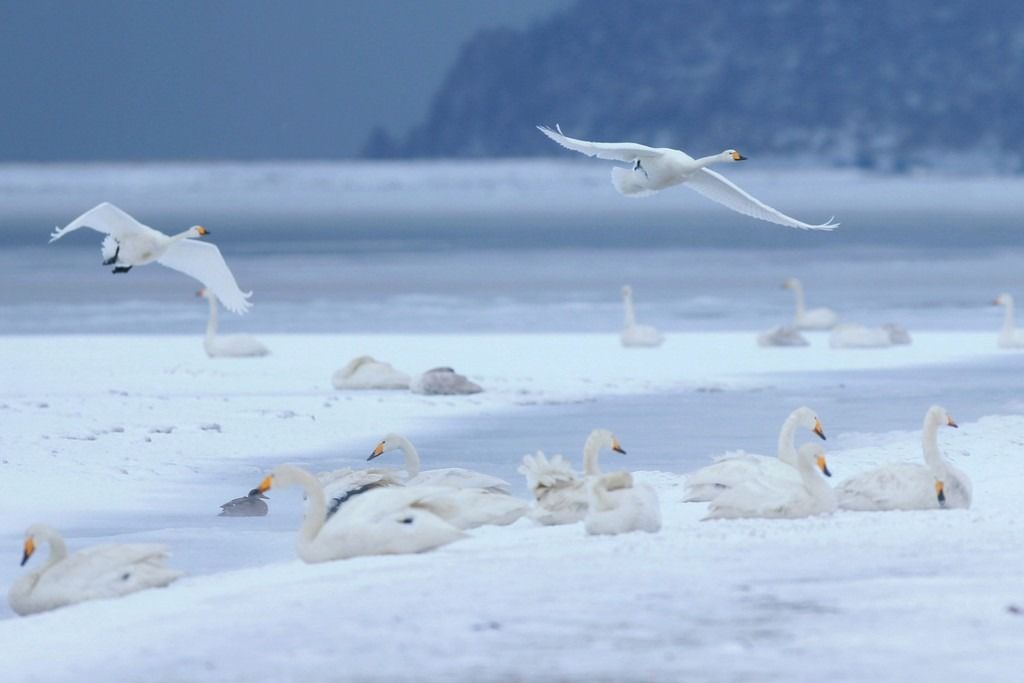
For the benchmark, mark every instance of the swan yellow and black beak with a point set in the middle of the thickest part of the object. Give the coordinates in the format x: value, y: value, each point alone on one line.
x: 818, y: 429
x: 265, y: 485
x: 950, y: 422
x: 736, y: 156
x: 616, y: 446
x: 940, y: 492
x: 30, y: 547
x: 202, y: 230
x: 823, y: 466
x: 377, y: 451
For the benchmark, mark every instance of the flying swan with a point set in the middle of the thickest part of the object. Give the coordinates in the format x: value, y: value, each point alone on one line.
x: 102, y: 571
x: 655, y: 168
x: 234, y: 346
x: 633, y: 334
x: 562, y: 496
x: 1009, y: 336
x: 129, y: 243
x: 814, y: 319
x: 781, y: 498
x: 733, y: 469
x: 911, y: 486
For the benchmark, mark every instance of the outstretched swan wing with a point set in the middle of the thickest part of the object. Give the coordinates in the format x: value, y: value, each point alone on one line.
x: 105, y: 218
x: 613, y: 151
x: 719, y: 189
x: 203, y: 261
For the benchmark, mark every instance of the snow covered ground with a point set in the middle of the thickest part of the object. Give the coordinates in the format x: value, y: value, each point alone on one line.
x: 132, y: 438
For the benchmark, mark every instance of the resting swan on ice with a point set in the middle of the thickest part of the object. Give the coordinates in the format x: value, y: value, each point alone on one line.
x: 1009, y: 337
x: 102, y: 571
x: 366, y: 372
x: 911, y: 486
x: 453, y: 477
x: 561, y: 495
x: 633, y: 334
x: 385, y: 521
x: 130, y: 243
x: 856, y: 336
x: 781, y: 498
x: 733, y: 469
x: 235, y: 346
x: 656, y: 168
x: 814, y: 319
x: 782, y: 335
x: 618, y: 505
x: 443, y: 382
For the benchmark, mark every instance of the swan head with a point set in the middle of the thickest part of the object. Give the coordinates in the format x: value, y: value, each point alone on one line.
x: 28, y: 549
x: 940, y: 492
x: 34, y: 532
x: 1003, y: 299
x: 627, y: 291
x: 938, y: 415
x: 203, y: 293
x: 281, y: 476
x: 815, y: 455
x: 391, y: 442
x: 808, y: 419
x: 197, y: 231
x: 602, y: 438
x: 791, y: 283
x: 732, y: 155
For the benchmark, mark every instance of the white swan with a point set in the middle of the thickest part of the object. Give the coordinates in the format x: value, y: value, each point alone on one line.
x: 857, y: 336
x: 814, y: 319
x: 452, y: 477
x: 102, y: 571
x: 656, y: 168
x: 733, y: 469
x: 633, y: 334
x: 619, y: 505
x: 444, y: 382
x: 384, y: 521
x: 1009, y: 337
x: 911, y: 486
x: 130, y: 243
x: 366, y: 372
x: 561, y: 496
x: 235, y: 346
x: 782, y: 335
x: 781, y: 498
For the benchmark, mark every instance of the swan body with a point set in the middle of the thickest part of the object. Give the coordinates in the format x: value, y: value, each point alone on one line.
x: 911, y: 486
x: 732, y: 469
x: 383, y: 521
x: 1009, y: 336
x: 655, y: 168
x: 789, y: 498
x: 782, y: 335
x: 449, y: 477
x: 561, y: 496
x: 102, y: 571
x: 129, y: 243
x: 251, y: 505
x: 619, y: 505
x: 366, y: 372
x: 443, y: 381
x: 809, y: 319
x: 235, y: 346
x: 855, y: 336
x: 633, y: 334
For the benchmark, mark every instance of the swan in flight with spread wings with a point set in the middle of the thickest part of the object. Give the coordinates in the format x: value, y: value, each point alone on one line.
x: 655, y: 168
x: 129, y: 243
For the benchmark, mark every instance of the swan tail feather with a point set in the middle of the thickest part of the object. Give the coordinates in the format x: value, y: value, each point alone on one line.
x: 629, y: 182
x: 542, y: 473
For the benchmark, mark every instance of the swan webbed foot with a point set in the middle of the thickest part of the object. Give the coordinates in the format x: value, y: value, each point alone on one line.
x: 121, y: 269
x: 113, y: 259
x: 638, y: 167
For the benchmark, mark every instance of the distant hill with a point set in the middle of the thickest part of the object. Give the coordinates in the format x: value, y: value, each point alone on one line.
x: 889, y: 84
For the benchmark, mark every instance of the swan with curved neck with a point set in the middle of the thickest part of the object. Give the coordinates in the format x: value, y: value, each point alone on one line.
x: 732, y: 469
x: 814, y: 319
x: 633, y: 334
x: 103, y: 571
x: 235, y: 346
x: 455, y: 477
x: 802, y: 496
x: 384, y: 521
x: 1009, y: 336
x: 598, y: 440
x: 912, y: 486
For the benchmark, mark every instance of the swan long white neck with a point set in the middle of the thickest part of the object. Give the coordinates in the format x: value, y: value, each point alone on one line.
x: 930, y: 444
x: 211, y: 324
x: 591, y: 449
x: 58, y: 549
x: 316, y: 506
x: 798, y: 292
x: 627, y: 298
x: 787, y: 439
x: 1008, y: 321
x: 813, y: 481
x: 412, y: 456
x: 708, y: 160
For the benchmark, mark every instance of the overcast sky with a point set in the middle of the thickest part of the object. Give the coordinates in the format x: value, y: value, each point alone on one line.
x: 229, y: 79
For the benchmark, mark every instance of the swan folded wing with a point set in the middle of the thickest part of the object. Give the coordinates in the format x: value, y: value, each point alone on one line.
x: 718, y: 188
x: 542, y: 473
x: 105, y: 218
x: 456, y: 477
x: 753, y: 499
x: 109, y: 570
x: 204, y: 262
x: 612, y: 151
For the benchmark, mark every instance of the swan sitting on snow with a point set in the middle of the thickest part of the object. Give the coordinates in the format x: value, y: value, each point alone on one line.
x: 1009, y: 336
x: 911, y: 486
x: 633, y: 334
x: 619, y: 505
x: 561, y: 495
x: 855, y: 336
x: 102, y: 571
x: 782, y: 335
x: 366, y: 372
x: 129, y: 243
x: 814, y: 319
x: 444, y: 382
x: 383, y: 521
x: 453, y: 477
x: 656, y: 168
x: 731, y: 470
x: 781, y: 498
x: 235, y: 346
